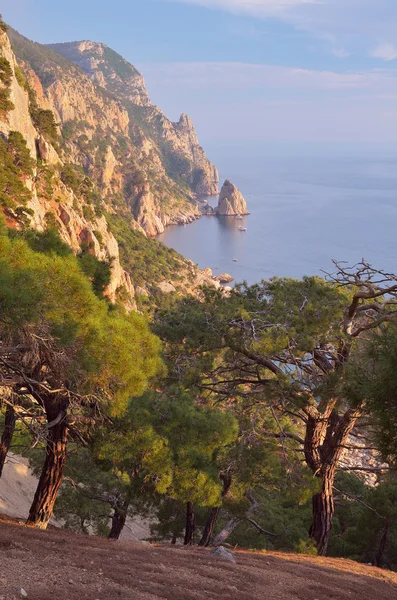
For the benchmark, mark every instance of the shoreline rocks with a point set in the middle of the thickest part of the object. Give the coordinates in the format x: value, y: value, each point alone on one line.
x: 224, y: 278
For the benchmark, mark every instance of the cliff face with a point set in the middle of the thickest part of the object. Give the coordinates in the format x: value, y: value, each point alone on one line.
x: 87, y: 161
x: 231, y: 201
x: 176, y: 143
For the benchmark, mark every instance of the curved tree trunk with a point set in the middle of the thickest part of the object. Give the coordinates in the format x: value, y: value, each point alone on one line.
x: 209, y: 527
x: 51, y: 476
x: 326, y: 436
x: 212, y: 519
x: 323, y: 512
x: 190, y: 524
x: 118, y: 520
x: 6, y: 438
x: 382, y: 546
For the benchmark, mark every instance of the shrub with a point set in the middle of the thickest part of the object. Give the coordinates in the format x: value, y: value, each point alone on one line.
x: 5, y: 72
x: 20, y: 152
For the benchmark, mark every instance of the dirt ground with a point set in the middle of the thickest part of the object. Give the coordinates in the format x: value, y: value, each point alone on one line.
x: 57, y: 565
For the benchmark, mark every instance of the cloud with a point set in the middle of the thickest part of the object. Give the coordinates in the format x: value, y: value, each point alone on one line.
x: 238, y: 102
x: 260, y: 8
x: 385, y: 51
x: 340, y: 17
x: 243, y: 77
x: 340, y: 52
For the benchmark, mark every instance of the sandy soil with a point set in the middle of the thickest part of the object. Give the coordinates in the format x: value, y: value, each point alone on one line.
x: 57, y: 565
x: 17, y: 489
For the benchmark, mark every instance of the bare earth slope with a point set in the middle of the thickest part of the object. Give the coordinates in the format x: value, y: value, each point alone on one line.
x: 65, y: 566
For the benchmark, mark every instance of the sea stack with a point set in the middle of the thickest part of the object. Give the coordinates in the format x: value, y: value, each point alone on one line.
x: 231, y: 201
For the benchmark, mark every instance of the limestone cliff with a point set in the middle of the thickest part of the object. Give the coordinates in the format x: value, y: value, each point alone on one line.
x: 85, y: 175
x: 231, y: 201
x: 176, y: 142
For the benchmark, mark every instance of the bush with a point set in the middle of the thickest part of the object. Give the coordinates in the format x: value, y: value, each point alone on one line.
x: 5, y: 72
x: 3, y: 26
x: 20, y: 152
x: 12, y: 189
x: 44, y: 122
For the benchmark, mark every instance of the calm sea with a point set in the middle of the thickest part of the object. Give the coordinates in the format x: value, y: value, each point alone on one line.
x: 305, y: 211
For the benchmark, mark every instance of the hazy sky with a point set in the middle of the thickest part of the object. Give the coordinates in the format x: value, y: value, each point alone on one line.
x: 247, y: 70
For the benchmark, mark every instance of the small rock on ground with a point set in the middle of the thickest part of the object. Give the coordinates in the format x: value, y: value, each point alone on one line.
x: 223, y: 554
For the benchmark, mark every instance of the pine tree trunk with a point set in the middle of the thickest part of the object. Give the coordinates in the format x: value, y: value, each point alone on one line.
x: 226, y: 532
x: 212, y: 519
x: 382, y: 546
x: 51, y: 477
x: 190, y: 524
x: 323, y: 512
x: 118, y: 520
x: 209, y: 528
x: 326, y: 436
x: 6, y: 438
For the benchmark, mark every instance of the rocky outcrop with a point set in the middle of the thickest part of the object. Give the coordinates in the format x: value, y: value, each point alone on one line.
x: 224, y: 278
x: 177, y: 141
x: 231, y: 201
x: 17, y: 119
x: 97, y: 138
x: 75, y: 229
x: 107, y: 68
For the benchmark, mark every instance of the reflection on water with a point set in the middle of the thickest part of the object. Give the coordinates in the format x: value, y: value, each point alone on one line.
x: 304, y: 212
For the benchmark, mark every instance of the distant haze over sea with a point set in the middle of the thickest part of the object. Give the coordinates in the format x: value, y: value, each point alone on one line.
x: 309, y: 204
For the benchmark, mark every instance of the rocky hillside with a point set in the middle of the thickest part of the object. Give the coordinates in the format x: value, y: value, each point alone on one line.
x: 77, y: 154
x: 135, y: 155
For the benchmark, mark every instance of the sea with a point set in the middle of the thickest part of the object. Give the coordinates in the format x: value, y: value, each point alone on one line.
x: 309, y: 206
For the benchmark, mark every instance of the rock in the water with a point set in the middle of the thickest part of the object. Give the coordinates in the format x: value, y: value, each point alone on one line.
x: 231, y: 201
x: 224, y: 278
x: 223, y: 554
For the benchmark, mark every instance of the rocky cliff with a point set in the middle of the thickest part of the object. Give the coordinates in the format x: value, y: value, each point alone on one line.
x: 72, y: 157
x: 177, y: 143
x: 231, y: 201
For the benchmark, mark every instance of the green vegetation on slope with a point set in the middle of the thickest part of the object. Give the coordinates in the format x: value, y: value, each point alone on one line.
x: 146, y: 259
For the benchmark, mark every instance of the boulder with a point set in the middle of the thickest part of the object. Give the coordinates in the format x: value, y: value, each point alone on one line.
x: 224, y: 278
x: 231, y: 201
x: 223, y: 554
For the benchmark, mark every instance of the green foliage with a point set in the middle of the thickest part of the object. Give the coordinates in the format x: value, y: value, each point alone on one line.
x: 5, y: 103
x: 3, y: 26
x: 44, y: 121
x: 20, y: 77
x: 18, y: 149
x: 98, y: 271
x: 5, y: 72
x: 146, y: 259
x: 373, y: 378
x: 109, y: 351
x: 71, y: 177
x: 12, y: 189
x: 43, y: 242
x: 5, y: 77
x: 44, y: 61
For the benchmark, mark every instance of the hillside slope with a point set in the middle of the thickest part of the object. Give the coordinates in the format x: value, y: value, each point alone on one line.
x: 58, y: 564
x: 136, y: 156
x: 72, y: 157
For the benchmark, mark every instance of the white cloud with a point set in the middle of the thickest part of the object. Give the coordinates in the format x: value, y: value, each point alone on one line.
x: 340, y: 52
x: 237, y: 102
x: 385, y: 51
x: 340, y: 17
x: 241, y: 77
x: 253, y: 7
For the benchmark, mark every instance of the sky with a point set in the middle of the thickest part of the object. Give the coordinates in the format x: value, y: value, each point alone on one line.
x: 247, y: 71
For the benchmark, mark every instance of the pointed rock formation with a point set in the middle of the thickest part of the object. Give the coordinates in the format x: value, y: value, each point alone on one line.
x: 231, y: 201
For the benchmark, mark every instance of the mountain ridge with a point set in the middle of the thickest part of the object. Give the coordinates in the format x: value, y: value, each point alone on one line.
x: 92, y: 171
